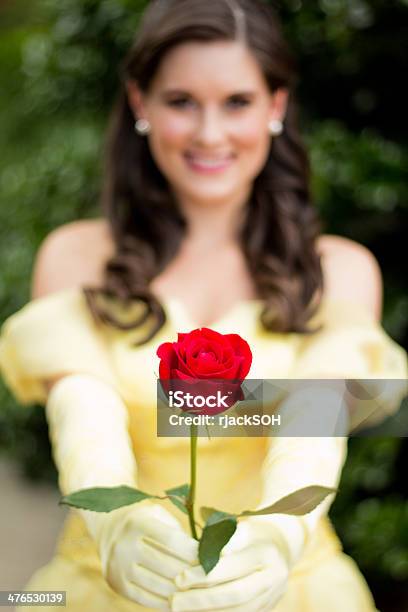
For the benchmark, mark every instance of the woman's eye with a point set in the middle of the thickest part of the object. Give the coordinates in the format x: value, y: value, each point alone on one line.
x: 180, y: 102
x: 238, y: 102
x: 235, y: 102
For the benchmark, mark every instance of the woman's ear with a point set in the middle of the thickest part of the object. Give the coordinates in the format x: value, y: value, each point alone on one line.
x: 135, y: 98
x: 279, y: 104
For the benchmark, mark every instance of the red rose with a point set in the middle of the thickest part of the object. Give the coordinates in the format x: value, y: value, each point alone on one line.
x: 203, y: 362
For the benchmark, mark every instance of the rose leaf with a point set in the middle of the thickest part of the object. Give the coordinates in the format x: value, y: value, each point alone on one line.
x: 298, y: 503
x: 178, y: 496
x: 218, y: 531
x: 104, y: 499
x: 216, y: 515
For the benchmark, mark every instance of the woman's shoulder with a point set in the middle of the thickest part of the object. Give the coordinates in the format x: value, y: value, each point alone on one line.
x: 351, y: 273
x: 71, y: 255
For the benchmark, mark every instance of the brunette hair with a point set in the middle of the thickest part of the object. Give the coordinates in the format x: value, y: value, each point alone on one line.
x: 281, y: 226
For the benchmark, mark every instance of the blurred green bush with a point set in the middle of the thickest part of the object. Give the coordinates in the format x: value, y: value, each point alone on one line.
x: 58, y: 76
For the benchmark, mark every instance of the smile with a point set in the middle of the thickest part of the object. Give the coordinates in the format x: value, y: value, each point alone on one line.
x: 208, y: 164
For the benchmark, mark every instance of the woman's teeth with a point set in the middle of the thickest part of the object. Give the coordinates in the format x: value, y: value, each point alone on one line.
x: 210, y: 163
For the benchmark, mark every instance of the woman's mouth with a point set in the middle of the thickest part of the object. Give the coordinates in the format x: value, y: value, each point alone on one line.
x: 208, y: 164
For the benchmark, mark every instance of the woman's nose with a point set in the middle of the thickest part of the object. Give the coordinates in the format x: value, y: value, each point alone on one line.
x: 210, y: 129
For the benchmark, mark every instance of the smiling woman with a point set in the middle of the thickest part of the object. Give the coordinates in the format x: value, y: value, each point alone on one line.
x: 209, y: 122
x: 217, y: 160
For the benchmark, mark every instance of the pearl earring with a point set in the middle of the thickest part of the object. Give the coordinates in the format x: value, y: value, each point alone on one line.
x: 142, y: 127
x: 275, y: 127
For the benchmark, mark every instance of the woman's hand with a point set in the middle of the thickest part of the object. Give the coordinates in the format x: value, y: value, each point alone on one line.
x: 250, y: 576
x: 142, y: 552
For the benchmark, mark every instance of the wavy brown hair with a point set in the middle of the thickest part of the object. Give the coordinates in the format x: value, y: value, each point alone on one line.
x: 281, y: 225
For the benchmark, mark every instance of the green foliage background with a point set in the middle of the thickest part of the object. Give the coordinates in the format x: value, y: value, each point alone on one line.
x: 58, y: 76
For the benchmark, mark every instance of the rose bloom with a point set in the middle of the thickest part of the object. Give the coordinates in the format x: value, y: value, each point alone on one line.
x: 204, y: 361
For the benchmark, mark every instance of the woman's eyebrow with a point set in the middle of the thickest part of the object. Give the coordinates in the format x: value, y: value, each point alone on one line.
x: 176, y: 92
x: 182, y: 92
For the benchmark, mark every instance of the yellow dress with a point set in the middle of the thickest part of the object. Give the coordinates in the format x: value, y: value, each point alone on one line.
x: 56, y: 334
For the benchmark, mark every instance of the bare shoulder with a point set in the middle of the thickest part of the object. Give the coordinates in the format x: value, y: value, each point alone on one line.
x: 71, y: 255
x: 351, y: 272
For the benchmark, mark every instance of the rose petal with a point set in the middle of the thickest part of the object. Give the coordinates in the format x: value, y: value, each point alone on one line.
x: 206, y: 333
x: 168, y: 359
x: 164, y: 351
x: 207, y: 364
x: 200, y: 353
x: 181, y: 375
x: 182, y: 335
x: 193, y: 348
x: 182, y: 362
x: 241, y: 347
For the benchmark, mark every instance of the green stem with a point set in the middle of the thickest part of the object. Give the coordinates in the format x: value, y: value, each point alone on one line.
x: 193, y: 473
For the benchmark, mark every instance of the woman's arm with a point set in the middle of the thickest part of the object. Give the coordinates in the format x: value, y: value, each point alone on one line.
x: 71, y: 255
x: 254, y: 566
x: 142, y: 546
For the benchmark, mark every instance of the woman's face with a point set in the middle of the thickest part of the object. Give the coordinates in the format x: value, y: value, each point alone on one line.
x: 209, y: 107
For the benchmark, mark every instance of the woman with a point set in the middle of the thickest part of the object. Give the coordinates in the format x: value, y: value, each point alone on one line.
x: 208, y: 223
